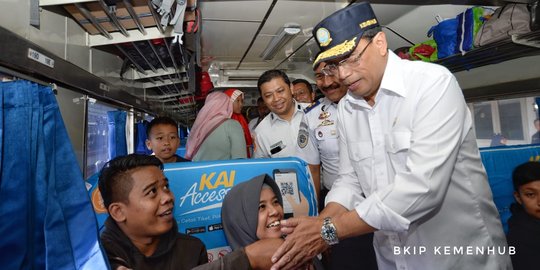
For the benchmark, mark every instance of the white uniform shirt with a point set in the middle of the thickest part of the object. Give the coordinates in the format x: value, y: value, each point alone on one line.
x: 414, y: 158
x: 275, y: 137
x: 322, y: 145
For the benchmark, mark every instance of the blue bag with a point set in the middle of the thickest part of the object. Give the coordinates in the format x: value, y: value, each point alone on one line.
x: 445, y: 35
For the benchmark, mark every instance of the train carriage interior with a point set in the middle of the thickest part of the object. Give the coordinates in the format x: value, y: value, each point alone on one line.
x: 147, y: 58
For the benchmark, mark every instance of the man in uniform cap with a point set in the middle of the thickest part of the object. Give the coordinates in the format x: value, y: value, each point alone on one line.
x: 410, y: 169
x: 320, y: 149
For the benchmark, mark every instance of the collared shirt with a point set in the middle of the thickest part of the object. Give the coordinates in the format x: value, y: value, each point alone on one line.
x: 275, y: 137
x: 322, y: 145
x: 411, y: 168
x: 304, y: 105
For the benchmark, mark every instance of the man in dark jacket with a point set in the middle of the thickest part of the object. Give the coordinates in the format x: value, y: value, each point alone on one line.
x: 141, y: 232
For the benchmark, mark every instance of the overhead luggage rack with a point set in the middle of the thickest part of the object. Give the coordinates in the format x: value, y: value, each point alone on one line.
x: 96, y: 17
x: 518, y: 46
x: 132, y: 30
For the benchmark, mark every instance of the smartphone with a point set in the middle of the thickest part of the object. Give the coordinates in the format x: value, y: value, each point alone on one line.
x: 287, y: 181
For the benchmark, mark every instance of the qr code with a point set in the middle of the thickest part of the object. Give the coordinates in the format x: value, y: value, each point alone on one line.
x: 286, y: 188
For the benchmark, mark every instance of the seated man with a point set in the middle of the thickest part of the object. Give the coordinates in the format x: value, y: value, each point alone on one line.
x: 141, y: 232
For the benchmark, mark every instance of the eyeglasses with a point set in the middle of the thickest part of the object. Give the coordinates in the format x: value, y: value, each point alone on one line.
x: 333, y: 69
x: 319, y: 76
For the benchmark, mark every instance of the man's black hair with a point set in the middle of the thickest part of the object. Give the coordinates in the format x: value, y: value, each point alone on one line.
x: 371, y: 33
x: 526, y: 173
x: 309, y: 87
x: 270, y: 75
x: 115, y: 180
x: 161, y: 120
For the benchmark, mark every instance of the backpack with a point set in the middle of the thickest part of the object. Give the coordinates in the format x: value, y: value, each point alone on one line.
x: 511, y: 19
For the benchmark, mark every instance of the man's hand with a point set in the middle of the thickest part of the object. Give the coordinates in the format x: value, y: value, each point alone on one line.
x: 260, y: 252
x: 302, y: 245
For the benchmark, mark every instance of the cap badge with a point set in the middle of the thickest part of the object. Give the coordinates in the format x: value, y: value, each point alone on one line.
x: 367, y: 23
x: 323, y: 37
x: 338, y: 50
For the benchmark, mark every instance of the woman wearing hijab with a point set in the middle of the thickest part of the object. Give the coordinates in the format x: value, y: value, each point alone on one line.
x: 214, y: 136
x: 237, y: 99
x: 252, y: 211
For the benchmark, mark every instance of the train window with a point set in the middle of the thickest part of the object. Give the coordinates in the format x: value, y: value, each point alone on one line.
x: 483, y: 120
x: 512, y: 120
x: 97, y: 144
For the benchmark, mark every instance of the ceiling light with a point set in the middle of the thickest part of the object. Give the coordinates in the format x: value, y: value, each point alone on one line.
x: 282, y: 37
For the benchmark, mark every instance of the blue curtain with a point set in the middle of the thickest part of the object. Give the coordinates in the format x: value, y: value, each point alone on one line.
x: 46, y: 219
x: 117, y: 133
x: 140, y: 144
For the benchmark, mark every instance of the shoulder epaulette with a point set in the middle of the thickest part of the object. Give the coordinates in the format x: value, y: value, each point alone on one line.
x: 311, y: 106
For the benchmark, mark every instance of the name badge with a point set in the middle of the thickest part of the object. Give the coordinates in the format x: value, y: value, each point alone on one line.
x: 276, y: 147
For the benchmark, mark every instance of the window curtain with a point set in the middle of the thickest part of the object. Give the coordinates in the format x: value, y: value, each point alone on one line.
x: 46, y: 219
x: 140, y: 147
x: 117, y: 133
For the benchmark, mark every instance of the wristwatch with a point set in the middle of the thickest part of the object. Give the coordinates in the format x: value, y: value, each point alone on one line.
x: 329, y: 232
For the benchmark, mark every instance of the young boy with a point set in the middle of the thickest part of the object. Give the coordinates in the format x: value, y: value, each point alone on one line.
x: 162, y: 139
x: 524, y: 225
x: 141, y: 232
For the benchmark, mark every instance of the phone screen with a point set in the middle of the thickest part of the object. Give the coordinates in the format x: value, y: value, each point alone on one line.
x: 288, y: 185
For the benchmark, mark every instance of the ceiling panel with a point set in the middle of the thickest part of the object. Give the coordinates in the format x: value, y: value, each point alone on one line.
x: 262, y: 41
x: 304, y: 13
x: 234, y: 10
x: 222, y: 16
x: 227, y: 39
x: 227, y: 32
x: 287, y: 12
